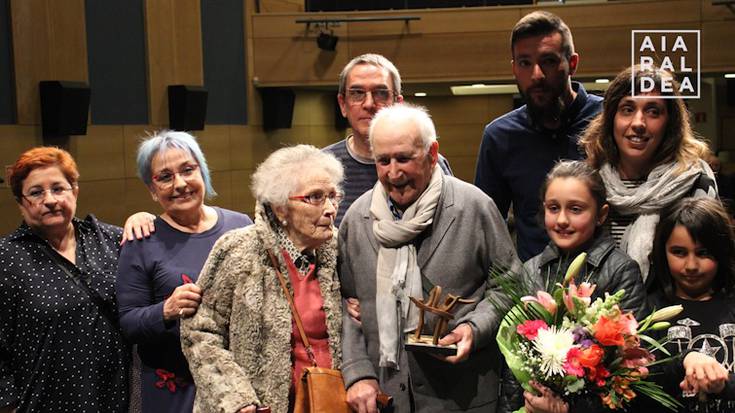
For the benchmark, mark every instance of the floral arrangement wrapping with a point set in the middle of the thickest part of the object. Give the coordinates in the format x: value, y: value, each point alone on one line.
x: 577, y: 347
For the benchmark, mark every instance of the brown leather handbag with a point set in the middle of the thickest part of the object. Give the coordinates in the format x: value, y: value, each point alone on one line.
x: 320, y: 390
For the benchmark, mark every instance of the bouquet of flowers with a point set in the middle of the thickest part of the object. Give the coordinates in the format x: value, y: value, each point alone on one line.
x: 577, y: 347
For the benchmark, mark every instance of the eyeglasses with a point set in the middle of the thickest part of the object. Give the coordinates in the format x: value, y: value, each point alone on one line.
x: 165, y: 179
x: 318, y: 198
x: 380, y: 96
x: 36, y: 196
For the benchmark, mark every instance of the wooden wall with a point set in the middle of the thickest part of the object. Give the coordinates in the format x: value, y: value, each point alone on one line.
x: 445, y: 45
x: 473, y: 43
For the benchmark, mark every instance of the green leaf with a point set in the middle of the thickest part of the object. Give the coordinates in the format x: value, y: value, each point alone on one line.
x: 654, y: 343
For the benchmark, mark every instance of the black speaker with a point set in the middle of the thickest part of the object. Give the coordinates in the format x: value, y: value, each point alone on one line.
x: 187, y: 107
x: 64, y: 107
x: 731, y: 92
x: 277, y: 107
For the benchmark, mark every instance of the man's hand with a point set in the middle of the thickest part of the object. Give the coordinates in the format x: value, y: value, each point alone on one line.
x: 462, y: 336
x: 703, y: 374
x: 353, y: 309
x: 545, y: 402
x: 138, y: 226
x: 361, y: 396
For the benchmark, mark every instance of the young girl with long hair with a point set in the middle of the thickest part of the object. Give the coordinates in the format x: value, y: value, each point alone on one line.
x: 693, y: 257
x: 574, y: 211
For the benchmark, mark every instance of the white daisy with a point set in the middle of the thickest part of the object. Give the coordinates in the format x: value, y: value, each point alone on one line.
x: 553, y: 345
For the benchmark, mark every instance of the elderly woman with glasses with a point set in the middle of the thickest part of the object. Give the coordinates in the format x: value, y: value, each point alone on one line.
x: 61, y: 349
x: 156, y: 275
x: 243, y: 349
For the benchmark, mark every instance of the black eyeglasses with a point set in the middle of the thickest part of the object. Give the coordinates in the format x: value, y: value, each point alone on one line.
x: 318, y: 198
x: 381, y: 96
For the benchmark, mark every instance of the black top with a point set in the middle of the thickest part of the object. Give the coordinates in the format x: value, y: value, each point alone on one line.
x: 704, y: 326
x: 150, y: 270
x: 59, y: 351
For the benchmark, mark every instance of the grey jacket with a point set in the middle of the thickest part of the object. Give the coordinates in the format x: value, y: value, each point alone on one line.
x: 606, y: 266
x: 467, y: 237
x: 239, y: 342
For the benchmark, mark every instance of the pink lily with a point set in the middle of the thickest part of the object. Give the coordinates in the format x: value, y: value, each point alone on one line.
x: 583, y: 293
x: 543, y: 298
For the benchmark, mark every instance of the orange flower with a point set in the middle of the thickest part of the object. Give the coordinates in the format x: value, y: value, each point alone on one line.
x: 591, y: 356
x: 610, y: 332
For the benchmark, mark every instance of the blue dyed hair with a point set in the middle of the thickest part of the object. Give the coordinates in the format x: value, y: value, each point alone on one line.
x: 167, y: 139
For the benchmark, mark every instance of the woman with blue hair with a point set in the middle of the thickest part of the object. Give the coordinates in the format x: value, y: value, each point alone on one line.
x: 156, y: 276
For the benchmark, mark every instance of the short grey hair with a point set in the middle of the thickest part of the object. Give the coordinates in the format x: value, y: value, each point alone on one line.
x: 167, y: 139
x: 418, y: 115
x: 278, y: 176
x: 375, y: 60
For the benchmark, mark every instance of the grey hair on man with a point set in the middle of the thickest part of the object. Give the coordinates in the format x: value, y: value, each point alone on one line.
x: 401, y: 112
x: 279, y: 175
x: 375, y: 60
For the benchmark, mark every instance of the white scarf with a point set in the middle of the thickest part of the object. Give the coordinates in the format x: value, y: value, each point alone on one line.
x: 663, y: 187
x: 397, y: 273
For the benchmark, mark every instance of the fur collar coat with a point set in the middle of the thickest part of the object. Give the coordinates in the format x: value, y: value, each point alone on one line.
x: 239, y: 342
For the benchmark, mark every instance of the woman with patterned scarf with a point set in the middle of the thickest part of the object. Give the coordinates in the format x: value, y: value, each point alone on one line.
x: 648, y: 158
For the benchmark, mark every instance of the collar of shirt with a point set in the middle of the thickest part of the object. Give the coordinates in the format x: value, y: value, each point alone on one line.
x: 569, y: 114
x: 397, y: 213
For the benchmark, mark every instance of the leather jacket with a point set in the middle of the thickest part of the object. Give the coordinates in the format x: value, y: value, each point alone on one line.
x: 606, y: 266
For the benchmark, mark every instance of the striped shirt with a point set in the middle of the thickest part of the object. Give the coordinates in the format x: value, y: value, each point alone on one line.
x: 617, y: 223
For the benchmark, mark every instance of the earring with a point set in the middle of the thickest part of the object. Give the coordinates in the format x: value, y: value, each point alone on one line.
x: 284, y: 223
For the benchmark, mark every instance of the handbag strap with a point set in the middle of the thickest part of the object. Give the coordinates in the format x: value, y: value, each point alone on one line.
x: 96, y: 299
x: 294, y: 312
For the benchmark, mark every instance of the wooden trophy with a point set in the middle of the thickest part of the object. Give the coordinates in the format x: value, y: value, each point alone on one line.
x: 443, y: 311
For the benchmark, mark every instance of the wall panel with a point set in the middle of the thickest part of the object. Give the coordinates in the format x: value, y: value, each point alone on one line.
x: 224, y: 61
x: 174, y: 40
x: 7, y: 92
x: 117, y: 64
x: 49, y: 43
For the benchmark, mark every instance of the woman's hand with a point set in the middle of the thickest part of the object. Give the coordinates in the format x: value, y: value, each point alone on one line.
x: 7, y: 409
x: 703, y: 374
x: 546, y: 402
x: 183, y: 302
x: 361, y: 396
x: 138, y: 226
x: 247, y: 409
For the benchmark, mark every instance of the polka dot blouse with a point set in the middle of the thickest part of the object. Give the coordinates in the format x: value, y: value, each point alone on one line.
x: 59, y: 350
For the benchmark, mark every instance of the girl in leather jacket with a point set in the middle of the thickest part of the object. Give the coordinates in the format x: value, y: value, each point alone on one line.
x: 574, y: 211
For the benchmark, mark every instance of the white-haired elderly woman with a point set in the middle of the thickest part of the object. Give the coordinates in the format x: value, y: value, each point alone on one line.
x: 243, y: 349
x: 156, y: 275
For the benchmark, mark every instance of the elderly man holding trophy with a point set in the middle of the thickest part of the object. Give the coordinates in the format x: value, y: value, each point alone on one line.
x: 418, y: 229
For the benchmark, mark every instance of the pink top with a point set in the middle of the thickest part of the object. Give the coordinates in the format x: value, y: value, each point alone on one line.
x: 310, y: 305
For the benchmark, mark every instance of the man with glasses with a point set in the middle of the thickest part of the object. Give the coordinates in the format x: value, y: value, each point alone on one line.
x: 367, y: 84
x: 519, y: 148
x: 416, y: 229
